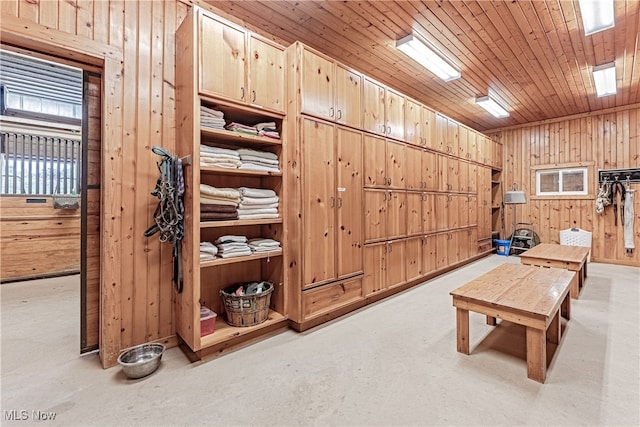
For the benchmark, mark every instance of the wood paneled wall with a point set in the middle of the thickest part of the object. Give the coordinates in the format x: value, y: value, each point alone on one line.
x: 136, y: 41
x: 606, y: 140
x: 36, y: 239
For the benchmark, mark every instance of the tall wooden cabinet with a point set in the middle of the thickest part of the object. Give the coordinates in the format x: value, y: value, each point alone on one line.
x: 212, y: 72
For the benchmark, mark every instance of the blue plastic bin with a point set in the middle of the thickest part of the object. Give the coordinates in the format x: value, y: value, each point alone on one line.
x: 503, y: 246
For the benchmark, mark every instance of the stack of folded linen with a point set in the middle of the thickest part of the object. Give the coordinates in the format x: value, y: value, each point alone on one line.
x: 230, y: 246
x: 268, y: 129
x: 220, y: 157
x: 239, y: 127
x: 208, y: 251
x: 258, y: 160
x: 259, y: 245
x: 218, y: 204
x: 258, y: 203
x: 210, y: 118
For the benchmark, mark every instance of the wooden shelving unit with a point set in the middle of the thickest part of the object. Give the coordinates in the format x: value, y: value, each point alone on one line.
x: 196, y: 87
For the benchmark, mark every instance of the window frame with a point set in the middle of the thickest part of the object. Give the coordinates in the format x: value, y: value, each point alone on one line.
x: 590, y: 190
x: 561, y: 172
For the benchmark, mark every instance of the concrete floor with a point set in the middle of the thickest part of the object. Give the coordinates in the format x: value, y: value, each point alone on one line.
x: 393, y: 363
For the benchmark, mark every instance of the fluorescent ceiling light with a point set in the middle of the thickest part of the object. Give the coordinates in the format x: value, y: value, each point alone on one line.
x: 597, y: 15
x: 492, y: 106
x: 604, y: 76
x: 425, y: 56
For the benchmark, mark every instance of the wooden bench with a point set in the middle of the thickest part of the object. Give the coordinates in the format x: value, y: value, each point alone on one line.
x: 572, y: 258
x: 529, y: 296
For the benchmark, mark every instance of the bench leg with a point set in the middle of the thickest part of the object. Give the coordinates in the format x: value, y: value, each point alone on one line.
x: 491, y: 321
x: 536, y: 354
x: 553, y: 332
x: 565, y: 308
x: 575, y: 290
x: 462, y: 328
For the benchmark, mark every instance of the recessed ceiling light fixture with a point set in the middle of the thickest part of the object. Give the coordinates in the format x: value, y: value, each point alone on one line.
x: 418, y: 50
x: 492, y: 107
x: 604, y: 76
x: 597, y: 15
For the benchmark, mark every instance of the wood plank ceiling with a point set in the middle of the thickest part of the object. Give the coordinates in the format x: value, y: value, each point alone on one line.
x: 532, y: 55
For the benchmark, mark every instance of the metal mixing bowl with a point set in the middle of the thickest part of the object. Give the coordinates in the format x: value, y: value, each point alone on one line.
x: 141, y: 360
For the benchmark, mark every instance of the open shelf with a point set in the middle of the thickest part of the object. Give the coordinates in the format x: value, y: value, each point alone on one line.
x: 222, y: 261
x: 231, y: 171
x: 227, y: 136
x: 237, y: 222
x: 224, y: 332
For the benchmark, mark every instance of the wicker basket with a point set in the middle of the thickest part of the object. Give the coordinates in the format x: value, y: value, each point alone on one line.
x: 246, y: 310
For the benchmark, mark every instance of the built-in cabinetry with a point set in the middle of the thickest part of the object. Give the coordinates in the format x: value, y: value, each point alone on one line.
x: 408, y: 188
x: 213, y: 72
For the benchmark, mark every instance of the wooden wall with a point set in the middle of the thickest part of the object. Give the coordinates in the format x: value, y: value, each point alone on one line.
x: 606, y: 140
x: 133, y: 43
x: 36, y: 239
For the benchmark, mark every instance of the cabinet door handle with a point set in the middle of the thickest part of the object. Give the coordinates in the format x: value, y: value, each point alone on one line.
x: 242, y: 92
x: 339, y: 202
x: 253, y: 93
x: 390, y: 248
x: 339, y: 114
x: 389, y: 181
x: 384, y: 196
x: 331, y: 112
x: 388, y: 130
x: 333, y: 202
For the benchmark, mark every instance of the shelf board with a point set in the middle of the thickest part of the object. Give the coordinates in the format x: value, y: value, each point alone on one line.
x: 495, y: 207
x: 229, y: 171
x: 236, y: 137
x: 223, y: 261
x: 237, y: 222
x: 496, y: 182
x: 223, y: 332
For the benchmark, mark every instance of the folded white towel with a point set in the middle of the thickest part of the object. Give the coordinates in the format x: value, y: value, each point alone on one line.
x: 259, y: 216
x: 219, y: 150
x: 208, y: 247
x: 226, y: 202
x: 230, y: 193
x: 259, y: 241
x: 246, y: 252
x: 257, y: 167
x: 206, y: 256
x: 256, y: 153
x: 231, y: 238
x: 259, y: 160
x: 244, y: 211
x: 256, y: 192
x: 258, y: 201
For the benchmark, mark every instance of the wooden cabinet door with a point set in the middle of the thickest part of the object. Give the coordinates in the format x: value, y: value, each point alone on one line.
x: 453, y: 142
x: 375, y: 161
x: 441, y: 133
x: 443, y: 173
x: 396, y: 214
x: 350, y: 237
x: 473, y: 178
x: 497, y: 155
x: 413, y: 258
x: 394, y: 114
x: 442, y: 223
x: 472, y: 149
x: 414, y: 213
x: 413, y: 122
x: 463, y: 244
x: 318, y: 202
x: 480, y: 149
x: 453, y: 174
x: 453, y: 210
x: 463, y: 142
x: 430, y: 171
x: 396, y: 270
x: 429, y: 223
x: 375, y: 268
x: 429, y: 254
x: 348, y: 97
x: 266, y: 74
x: 373, y: 107
x: 222, y: 60
x: 463, y: 209
x: 317, y: 86
x: 375, y: 215
x: 442, y: 259
x: 472, y: 205
x: 396, y: 165
x: 453, y: 249
x: 463, y: 176
x: 413, y: 168
x: 473, y: 242
x: 429, y: 134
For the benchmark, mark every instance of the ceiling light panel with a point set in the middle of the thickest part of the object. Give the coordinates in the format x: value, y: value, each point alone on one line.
x: 418, y: 50
x: 604, y: 77
x: 492, y: 107
x: 597, y: 15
